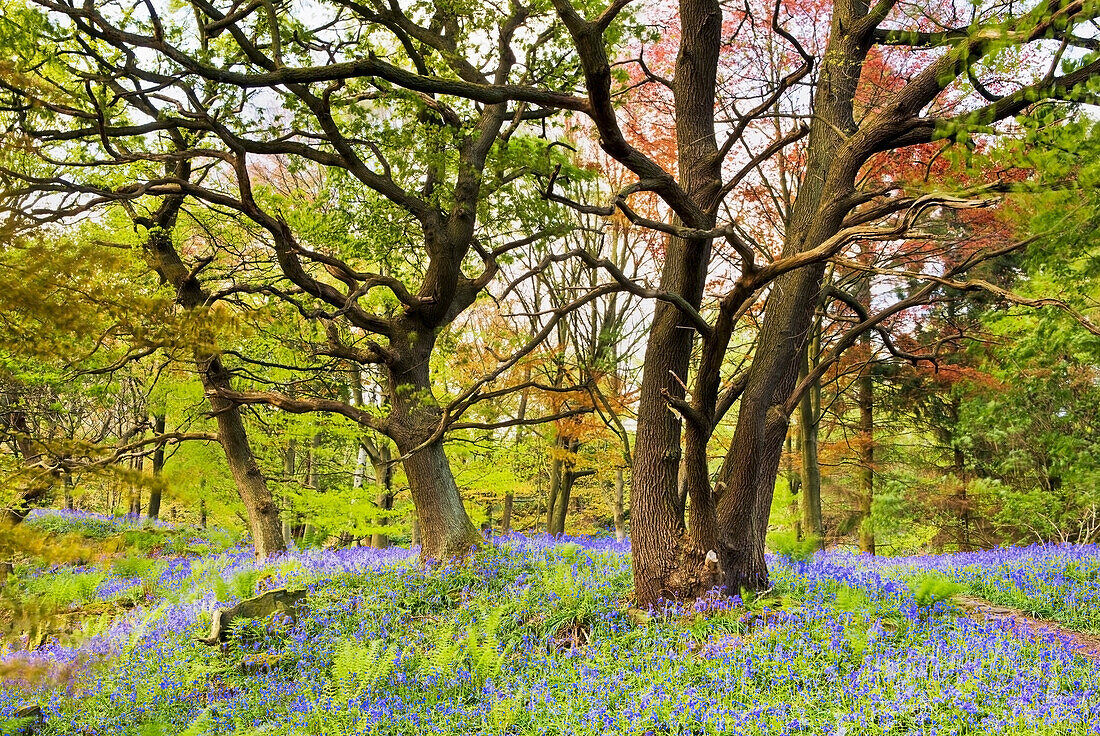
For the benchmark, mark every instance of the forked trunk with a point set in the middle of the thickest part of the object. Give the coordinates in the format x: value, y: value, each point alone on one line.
x: 38, y: 485
x: 657, y: 529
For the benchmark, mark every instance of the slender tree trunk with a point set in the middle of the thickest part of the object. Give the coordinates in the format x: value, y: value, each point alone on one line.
x: 964, y: 542
x: 263, y: 516
x: 290, y: 471
x: 567, y: 476
x: 866, y: 464
x: 506, y: 514
x: 69, y: 501
x: 383, y: 474
x: 159, y: 421
x: 509, y: 496
x: 752, y: 461
x: 35, y: 488
x: 557, y: 480
x: 313, y: 478
x: 866, y: 398
x: 561, y: 507
x: 360, y: 473
x: 794, y: 485
x: 135, y: 492
x: 809, y: 414
x: 620, y: 523
x: 445, y: 529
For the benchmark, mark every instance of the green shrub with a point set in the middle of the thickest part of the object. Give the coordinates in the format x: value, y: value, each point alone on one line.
x: 787, y: 544
x: 932, y: 588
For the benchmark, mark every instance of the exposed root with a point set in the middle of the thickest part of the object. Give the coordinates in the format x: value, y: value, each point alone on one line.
x: 572, y: 637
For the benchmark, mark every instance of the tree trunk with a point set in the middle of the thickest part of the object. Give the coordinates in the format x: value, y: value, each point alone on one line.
x: 69, y: 501
x: 752, y: 461
x: 566, y: 476
x: 557, y: 479
x: 158, y: 468
x: 36, y: 488
x: 263, y: 516
x: 794, y: 485
x: 383, y: 474
x: 561, y: 507
x: 135, y: 489
x: 866, y: 398
x: 509, y: 496
x: 809, y: 415
x: 445, y: 529
x: 360, y: 473
x: 290, y: 471
x: 657, y: 529
x: 506, y: 514
x: 617, y: 508
x: 313, y: 477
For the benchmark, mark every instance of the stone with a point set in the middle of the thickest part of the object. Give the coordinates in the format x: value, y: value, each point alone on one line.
x: 29, y: 718
x: 273, y: 601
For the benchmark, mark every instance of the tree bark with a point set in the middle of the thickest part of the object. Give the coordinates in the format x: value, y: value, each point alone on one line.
x: 866, y: 462
x: 661, y: 548
x: 135, y: 487
x: 506, y: 514
x: 69, y: 501
x: 794, y: 484
x: 263, y: 516
x: 620, y: 523
x: 566, y: 476
x: 751, y: 464
x: 159, y: 421
x: 809, y: 417
x: 866, y: 398
x: 446, y: 531
x: 383, y: 475
x: 561, y: 508
x: 557, y: 480
x: 36, y: 489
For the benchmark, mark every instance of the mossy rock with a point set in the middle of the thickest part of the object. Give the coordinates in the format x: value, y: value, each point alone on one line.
x: 271, y: 602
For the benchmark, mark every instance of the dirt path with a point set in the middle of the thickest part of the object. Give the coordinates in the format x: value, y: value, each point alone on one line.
x: 1083, y: 645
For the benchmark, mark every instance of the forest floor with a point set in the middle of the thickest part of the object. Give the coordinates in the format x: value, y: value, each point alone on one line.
x: 537, y: 636
x: 1085, y: 645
